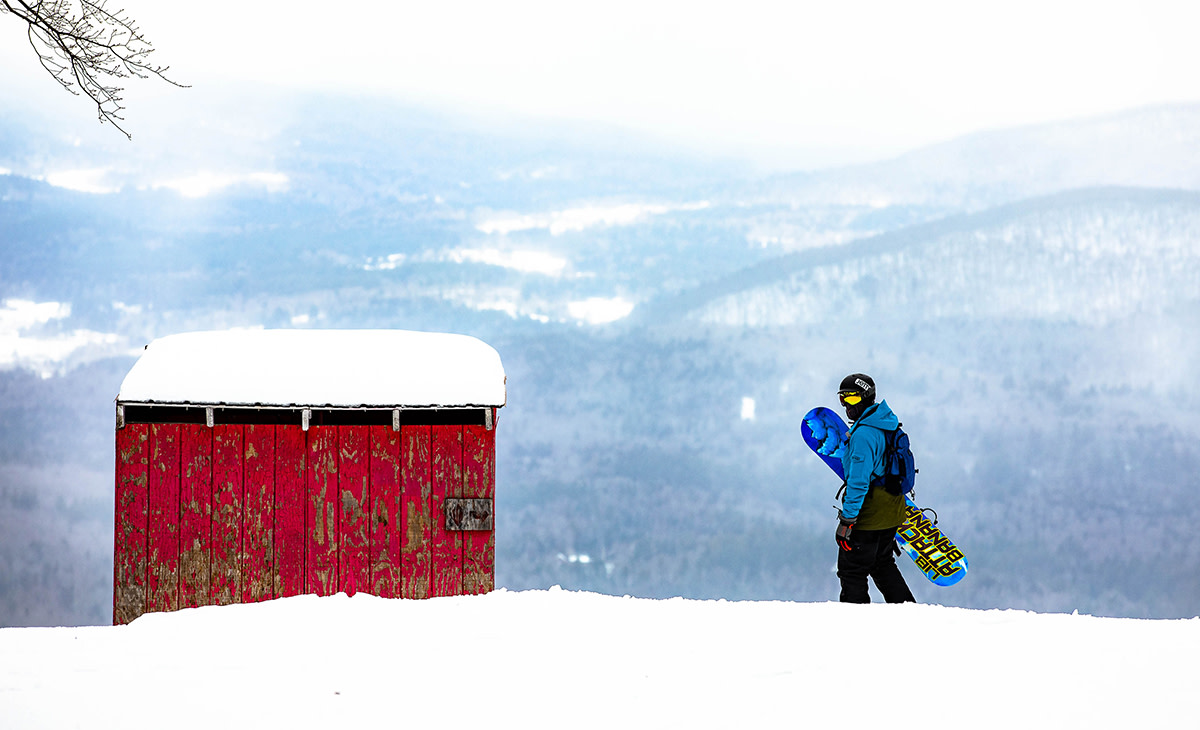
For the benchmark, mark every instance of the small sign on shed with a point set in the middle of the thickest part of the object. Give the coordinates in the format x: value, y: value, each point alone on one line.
x: 259, y: 464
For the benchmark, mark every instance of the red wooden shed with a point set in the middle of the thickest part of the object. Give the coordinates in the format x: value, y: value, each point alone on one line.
x: 259, y: 464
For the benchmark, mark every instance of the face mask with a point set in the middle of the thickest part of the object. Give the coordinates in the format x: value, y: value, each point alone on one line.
x: 855, y: 411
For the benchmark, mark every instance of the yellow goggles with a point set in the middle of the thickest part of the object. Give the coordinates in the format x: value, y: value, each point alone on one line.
x: 850, y: 398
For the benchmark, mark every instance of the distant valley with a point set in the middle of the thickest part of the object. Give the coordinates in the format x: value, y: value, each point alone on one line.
x: 1026, y: 299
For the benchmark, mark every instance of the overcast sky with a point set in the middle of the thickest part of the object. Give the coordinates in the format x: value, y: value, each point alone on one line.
x: 813, y: 83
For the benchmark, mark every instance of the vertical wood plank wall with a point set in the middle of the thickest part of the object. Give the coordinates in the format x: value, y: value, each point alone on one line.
x: 162, y: 555
x: 232, y: 513
x: 386, y: 511
x: 416, y: 490
x: 291, y: 499
x: 195, y: 515
x: 479, y: 472
x: 129, y: 535
x: 447, y: 482
x: 354, y: 534
x: 228, y: 499
x: 256, y: 555
x: 321, y: 512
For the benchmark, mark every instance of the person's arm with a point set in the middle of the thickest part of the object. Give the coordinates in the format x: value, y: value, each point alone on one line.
x: 862, y: 455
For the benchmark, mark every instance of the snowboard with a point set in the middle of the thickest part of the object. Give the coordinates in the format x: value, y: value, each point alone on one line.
x: 919, y: 538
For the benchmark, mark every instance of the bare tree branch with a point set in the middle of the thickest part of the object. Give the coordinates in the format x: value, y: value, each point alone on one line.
x: 88, y: 49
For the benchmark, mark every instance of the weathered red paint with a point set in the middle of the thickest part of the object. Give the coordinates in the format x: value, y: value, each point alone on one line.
x: 416, y: 480
x: 162, y: 560
x: 195, y: 515
x: 258, y: 524
x: 291, y: 500
x: 447, y: 482
x: 228, y: 512
x: 321, y: 513
x: 129, y: 555
x: 479, y: 471
x: 233, y: 513
x: 354, y: 508
x: 386, y: 525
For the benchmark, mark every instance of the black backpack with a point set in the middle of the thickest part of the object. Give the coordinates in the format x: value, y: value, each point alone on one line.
x: 899, y: 470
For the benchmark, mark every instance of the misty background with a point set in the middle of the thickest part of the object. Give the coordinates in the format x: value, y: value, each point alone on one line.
x: 1026, y: 298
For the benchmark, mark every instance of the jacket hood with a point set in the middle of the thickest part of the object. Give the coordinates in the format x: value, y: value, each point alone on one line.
x: 880, y: 416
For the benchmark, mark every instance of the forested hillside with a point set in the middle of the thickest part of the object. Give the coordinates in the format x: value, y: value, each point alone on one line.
x: 664, y: 323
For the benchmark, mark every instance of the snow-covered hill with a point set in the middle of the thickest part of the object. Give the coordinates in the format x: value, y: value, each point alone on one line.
x: 557, y: 659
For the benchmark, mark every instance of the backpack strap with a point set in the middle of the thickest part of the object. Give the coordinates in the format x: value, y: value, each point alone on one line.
x: 889, y: 447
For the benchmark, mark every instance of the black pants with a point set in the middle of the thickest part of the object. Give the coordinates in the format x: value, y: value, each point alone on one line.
x: 871, y: 555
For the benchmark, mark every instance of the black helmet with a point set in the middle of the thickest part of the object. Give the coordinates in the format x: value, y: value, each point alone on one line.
x: 860, y: 390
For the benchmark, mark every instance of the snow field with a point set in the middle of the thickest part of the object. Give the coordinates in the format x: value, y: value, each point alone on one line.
x: 553, y: 659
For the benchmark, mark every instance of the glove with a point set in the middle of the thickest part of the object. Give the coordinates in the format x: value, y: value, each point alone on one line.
x: 842, y: 536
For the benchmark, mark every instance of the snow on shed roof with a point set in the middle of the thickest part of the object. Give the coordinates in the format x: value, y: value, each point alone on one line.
x: 337, y: 368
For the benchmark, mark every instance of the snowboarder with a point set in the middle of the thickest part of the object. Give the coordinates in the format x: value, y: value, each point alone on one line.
x: 869, y: 517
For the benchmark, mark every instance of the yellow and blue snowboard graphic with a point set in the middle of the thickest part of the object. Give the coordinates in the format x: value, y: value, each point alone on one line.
x: 920, y: 539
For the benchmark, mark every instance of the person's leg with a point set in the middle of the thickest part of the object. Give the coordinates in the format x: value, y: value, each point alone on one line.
x: 853, y: 567
x: 886, y: 573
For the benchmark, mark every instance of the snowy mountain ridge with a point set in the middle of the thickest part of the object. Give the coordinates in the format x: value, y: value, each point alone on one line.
x: 1089, y: 256
x: 1155, y: 146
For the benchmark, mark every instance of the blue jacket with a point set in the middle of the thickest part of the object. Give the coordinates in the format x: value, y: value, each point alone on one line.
x: 861, y: 463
